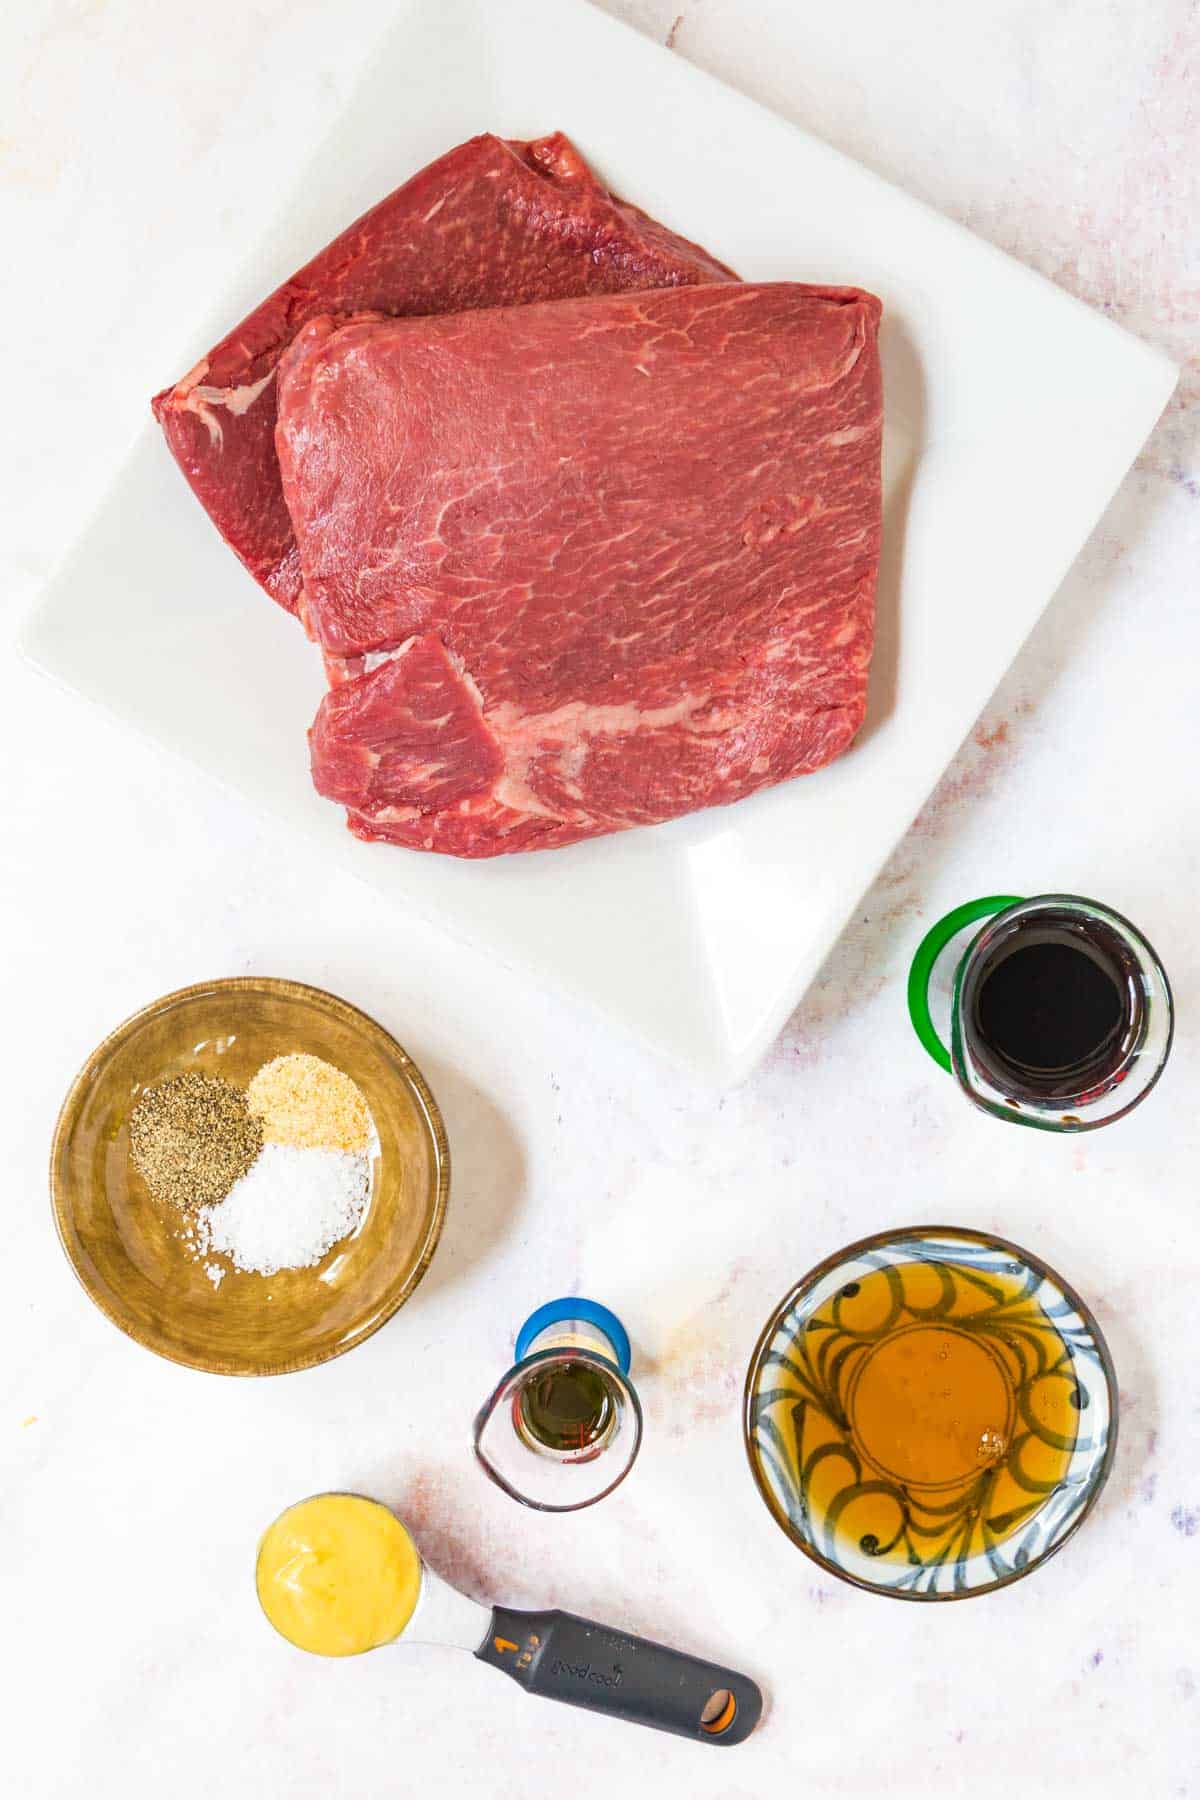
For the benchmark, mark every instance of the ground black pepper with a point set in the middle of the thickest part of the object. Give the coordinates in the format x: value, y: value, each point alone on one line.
x: 191, y: 1138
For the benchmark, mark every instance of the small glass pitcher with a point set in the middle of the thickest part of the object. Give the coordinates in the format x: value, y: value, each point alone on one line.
x: 564, y: 1426
x: 1049, y: 1087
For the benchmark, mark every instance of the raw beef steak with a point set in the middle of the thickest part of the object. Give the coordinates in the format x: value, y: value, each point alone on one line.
x: 622, y: 553
x: 492, y: 223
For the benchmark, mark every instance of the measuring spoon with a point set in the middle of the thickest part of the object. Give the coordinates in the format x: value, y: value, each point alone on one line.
x: 554, y: 1654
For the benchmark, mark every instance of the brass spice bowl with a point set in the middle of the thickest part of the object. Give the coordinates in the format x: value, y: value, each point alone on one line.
x: 129, y: 1254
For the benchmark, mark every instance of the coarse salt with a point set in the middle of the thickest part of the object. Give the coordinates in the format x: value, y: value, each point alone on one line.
x: 288, y: 1209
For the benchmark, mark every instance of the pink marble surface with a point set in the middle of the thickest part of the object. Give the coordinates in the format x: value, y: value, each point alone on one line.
x: 143, y: 150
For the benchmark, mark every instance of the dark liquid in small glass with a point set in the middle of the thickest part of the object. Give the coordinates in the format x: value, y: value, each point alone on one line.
x: 1055, y: 1008
x: 567, y: 1406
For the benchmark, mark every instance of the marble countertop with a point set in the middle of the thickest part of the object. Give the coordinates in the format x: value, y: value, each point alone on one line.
x: 143, y: 147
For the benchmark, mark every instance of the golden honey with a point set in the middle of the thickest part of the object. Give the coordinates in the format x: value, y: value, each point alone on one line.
x: 923, y: 1413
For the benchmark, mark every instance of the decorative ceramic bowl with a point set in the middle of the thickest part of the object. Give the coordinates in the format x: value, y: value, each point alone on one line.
x: 130, y: 1254
x: 931, y: 1413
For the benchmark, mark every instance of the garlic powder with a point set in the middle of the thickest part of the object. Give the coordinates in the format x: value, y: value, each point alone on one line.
x: 305, y: 1101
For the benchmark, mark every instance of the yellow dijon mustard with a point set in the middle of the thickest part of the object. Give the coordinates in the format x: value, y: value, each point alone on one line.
x: 338, y: 1574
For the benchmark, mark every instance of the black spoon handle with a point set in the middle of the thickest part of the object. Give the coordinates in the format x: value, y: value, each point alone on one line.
x: 572, y: 1659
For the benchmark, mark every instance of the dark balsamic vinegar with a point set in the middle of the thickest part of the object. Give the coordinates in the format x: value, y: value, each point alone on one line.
x: 566, y: 1406
x: 1055, y: 1007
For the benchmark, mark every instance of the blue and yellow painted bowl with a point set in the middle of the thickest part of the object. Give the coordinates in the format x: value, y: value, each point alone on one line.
x: 931, y: 1413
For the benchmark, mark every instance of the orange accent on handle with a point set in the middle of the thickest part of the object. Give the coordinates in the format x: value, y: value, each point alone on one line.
x: 502, y: 1644
x: 716, y: 1726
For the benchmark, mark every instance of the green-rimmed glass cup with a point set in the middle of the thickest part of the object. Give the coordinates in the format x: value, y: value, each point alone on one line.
x: 1094, y: 1097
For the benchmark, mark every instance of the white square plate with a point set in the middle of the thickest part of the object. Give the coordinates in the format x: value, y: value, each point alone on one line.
x: 1012, y: 413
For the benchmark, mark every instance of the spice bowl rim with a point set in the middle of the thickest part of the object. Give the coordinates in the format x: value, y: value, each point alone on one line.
x: 64, y: 1213
x: 848, y: 1253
